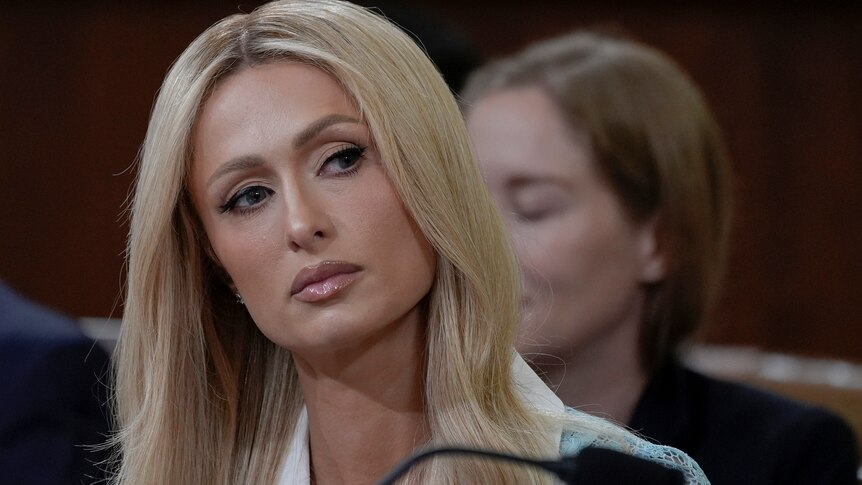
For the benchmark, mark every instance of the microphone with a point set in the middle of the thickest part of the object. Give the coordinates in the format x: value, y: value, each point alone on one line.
x: 593, y: 466
x: 608, y: 467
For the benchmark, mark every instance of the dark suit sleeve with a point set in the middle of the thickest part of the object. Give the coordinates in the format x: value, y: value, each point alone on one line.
x: 825, y: 451
x: 54, y: 413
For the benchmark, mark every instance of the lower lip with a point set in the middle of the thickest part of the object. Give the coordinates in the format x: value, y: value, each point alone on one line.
x: 325, y: 289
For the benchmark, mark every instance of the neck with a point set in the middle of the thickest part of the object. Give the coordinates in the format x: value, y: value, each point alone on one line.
x: 604, y: 378
x: 365, y: 405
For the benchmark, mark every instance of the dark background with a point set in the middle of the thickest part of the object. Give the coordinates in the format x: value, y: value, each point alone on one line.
x: 785, y: 83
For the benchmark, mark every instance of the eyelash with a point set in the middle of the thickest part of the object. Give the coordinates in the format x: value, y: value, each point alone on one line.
x: 231, y: 203
x: 347, y: 152
x: 534, y: 215
x: 531, y: 216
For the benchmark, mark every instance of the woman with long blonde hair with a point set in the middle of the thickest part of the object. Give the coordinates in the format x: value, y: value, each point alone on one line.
x: 318, y: 283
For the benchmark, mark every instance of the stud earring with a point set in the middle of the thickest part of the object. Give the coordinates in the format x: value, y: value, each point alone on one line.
x: 239, y: 298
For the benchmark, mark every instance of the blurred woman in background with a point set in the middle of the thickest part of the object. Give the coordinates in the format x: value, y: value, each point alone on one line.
x: 611, y: 172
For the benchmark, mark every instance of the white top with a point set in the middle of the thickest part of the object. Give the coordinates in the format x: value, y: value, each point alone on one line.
x: 296, y: 468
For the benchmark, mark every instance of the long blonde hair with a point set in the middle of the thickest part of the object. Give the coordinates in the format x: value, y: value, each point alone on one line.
x: 201, y: 395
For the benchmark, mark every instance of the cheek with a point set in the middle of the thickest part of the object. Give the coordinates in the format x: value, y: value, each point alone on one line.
x: 550, y: 254
x: 577, y: 255
x: 245, y: 252
x: 393, y: 237
x: 596, y: 264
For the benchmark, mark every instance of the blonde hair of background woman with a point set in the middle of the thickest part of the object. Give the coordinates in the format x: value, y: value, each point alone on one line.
x: 656, y: 143
x: 201, y: 395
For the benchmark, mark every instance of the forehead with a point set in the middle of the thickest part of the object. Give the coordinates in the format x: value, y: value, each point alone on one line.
x: 519, y: 131
x: 284, y: 87
x: 260, y: 108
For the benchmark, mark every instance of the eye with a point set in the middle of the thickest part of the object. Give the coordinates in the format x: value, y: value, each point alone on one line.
x: 536, y: 211
x: 246, y: 199
x: 344, y: 162
x: 533, y: 204
x: 533, y: 215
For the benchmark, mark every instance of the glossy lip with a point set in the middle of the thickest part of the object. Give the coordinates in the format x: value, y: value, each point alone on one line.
x: 323, y: 281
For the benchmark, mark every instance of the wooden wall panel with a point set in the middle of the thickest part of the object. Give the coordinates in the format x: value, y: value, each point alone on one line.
x: 785, y: 86
x: 80, y: 80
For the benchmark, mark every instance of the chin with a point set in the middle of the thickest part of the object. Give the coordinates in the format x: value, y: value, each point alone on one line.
x: 323, y: 337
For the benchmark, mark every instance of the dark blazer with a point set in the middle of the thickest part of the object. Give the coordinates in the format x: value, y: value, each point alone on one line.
x: 741, y: 435
x: 50, y: 396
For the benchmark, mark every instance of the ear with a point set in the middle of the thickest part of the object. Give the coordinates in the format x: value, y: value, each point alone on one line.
x: 651, y: 252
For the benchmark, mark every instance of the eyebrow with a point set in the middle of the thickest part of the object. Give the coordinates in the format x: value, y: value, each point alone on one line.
x: 246, y: 162
x: 521, y: 181
x: 315, y: 128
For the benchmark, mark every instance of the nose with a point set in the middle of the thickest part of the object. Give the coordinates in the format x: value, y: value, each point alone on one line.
x: 307, y: 222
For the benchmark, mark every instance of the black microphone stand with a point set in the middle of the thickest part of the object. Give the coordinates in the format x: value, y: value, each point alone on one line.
x: 593, y: 465
x: 559, y: 468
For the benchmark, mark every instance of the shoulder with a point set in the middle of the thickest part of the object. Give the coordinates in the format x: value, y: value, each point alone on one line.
x: 575, y: 440
x: 710, y: 409
x: 51, y: 381
x: 769, y: 414
x: 43, y: 352
x: 33, y: 336
x: 24, y: 321
x: 792, y: 439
